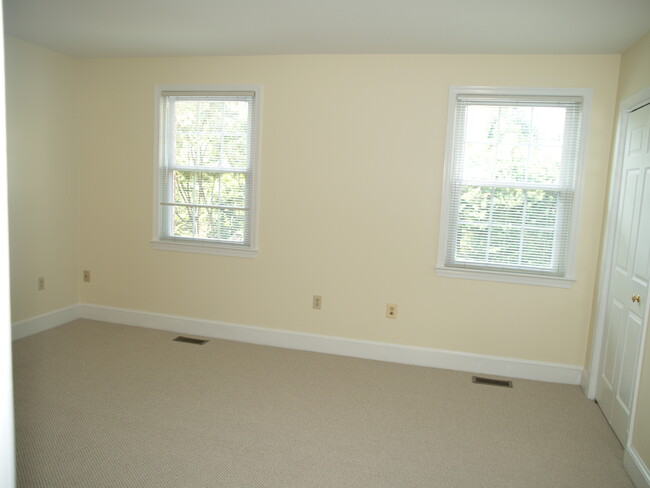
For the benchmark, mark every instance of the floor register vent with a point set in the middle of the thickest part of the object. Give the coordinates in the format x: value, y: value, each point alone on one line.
x: 191, y: 340
x: 491, y: 382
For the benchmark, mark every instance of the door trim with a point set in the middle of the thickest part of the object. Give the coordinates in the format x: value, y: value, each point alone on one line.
x: 590, y: 383
x: 636, y: 468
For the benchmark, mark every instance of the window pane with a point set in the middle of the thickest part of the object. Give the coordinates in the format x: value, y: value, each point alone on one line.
x: 472, y: 242
x: 211, y: 133
x: 506, y: 226
x: 508, y: 205
x: 479, y: 161
x: 233, y: 190
x: 505, y: 244
x: 232, y: 225
x: 542, y: 208
x: 474, y: 216
x: 196, y: 187
x: 207, y: 188
x: 544, y: 165
x: 195, y: 222
x: 475, y: 204
x: 514, y: 144
x: 548, y: 123
x: 209, y: 223
x: 514, y: 125
x: 538, y: 248
x: 511, y: 163
x: 183, y: 187
x: 482, y: 121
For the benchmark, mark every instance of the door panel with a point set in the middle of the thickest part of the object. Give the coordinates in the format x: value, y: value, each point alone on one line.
x: 622, y: 407
x: 628, y: 364
x: 615, y: 316
x: 642, y: 255
x: 626, y: 219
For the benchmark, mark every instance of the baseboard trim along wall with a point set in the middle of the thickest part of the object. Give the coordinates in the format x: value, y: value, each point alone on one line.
x: 49, y: 320
x: 420, y: 356
x: 636, y: 468
x: 379, y: 351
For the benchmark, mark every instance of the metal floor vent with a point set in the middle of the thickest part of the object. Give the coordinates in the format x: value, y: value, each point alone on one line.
x: 490, y: 381
x: 191, y: 340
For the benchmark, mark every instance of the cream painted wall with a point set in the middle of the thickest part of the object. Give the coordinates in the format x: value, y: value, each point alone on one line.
x: 352, y: 160
x: 42, y: 175
x: 635, y: 68
x: 635, y: 76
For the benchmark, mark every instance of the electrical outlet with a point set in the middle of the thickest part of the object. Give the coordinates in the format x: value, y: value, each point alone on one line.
x: 86, y: 275
x: 317, y: 302
x: 391, y: 311
x: 41, y: 283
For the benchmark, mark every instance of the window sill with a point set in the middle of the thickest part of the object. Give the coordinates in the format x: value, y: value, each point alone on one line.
x: 504, y: 277
x: 203, y: 248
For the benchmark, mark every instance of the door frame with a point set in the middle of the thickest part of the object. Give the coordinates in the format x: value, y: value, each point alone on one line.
x: 590, y: 380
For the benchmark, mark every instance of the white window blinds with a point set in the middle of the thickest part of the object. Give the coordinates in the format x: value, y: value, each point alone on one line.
x: 512, y: 183
x: 206, y: 167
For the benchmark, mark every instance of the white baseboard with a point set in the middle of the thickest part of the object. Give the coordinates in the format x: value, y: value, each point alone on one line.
x: 636, y: 468
x: 380, y: 351
x: 420, y: 356
x: 43, y: 322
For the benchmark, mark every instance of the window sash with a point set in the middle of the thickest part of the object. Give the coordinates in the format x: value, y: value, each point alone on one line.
x: 521, y: 250
x: 205, y: 219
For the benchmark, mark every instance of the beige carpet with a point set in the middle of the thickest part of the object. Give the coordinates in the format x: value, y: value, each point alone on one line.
x: 103, y: 405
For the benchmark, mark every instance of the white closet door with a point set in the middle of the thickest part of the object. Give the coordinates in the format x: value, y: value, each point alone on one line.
x: 630, y: 274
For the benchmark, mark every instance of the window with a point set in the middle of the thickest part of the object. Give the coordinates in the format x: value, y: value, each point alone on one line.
x: 206, y: 169
x: 511, y: 184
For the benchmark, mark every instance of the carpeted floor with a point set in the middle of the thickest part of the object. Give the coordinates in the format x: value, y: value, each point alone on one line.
x: 104, y: 405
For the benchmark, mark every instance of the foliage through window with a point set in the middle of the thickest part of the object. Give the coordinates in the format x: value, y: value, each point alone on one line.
x: 206, y: 168
x: 511, y: 183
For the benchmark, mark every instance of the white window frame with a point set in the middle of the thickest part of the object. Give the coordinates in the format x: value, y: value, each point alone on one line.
x: 202, y: 246
x: 523, y: 277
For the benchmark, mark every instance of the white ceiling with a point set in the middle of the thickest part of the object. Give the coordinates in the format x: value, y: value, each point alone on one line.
x: 117, y: 28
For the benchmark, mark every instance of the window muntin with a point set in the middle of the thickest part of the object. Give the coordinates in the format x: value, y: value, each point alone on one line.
x: 207, y: 168
x: 512, y: 176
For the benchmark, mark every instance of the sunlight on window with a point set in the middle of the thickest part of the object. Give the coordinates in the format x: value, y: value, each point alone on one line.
x: 207, y: 162
x: 512, y: 182
x: 522, y: 144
